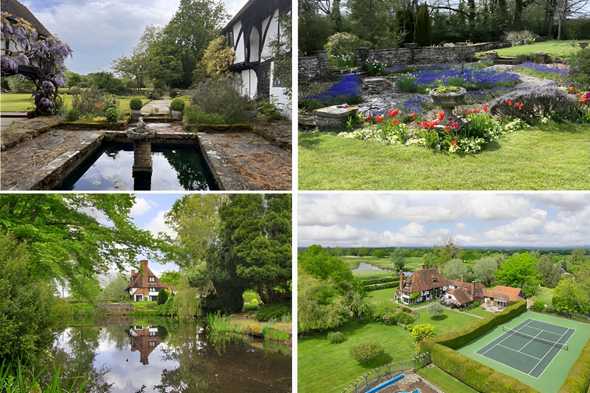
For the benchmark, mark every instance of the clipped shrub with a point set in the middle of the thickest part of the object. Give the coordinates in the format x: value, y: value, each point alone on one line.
x: 267, y: 312
x: 177, y: 105
x: 135, y: 104
x: 578, y: 379
x: 403, y: 318
x: 173, y: 93
x: 112, y: 114
x: 366, y: 352
x: 391, y: 318
x: 336, y: 337
x: 219, y: 96
x: 341, y: 49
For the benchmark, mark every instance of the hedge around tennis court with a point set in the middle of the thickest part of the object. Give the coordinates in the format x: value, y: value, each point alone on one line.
x: 460, y: 338
x: 480, y: 377
x: 578, y: 379
x: 471, y: 372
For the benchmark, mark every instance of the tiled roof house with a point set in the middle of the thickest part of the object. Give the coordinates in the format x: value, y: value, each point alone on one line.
x: 144, y: 284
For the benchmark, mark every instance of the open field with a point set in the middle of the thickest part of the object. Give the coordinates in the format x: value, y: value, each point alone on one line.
x: 444, y: 381
x: 551, y: 157
x: 554, y: 48
x: 544, y: 295
x: 411, y: 263
x: 17, y: 102
x: 328, y: 368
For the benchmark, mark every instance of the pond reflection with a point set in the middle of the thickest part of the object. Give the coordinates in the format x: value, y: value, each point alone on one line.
x: 144, y: 358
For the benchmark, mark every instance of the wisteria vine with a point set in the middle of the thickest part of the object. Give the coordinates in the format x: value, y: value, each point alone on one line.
x: 41, y: 59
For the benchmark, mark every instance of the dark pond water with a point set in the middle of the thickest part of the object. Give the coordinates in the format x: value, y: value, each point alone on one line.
x: 122, y: 358
x: 175, y: 167
x: 364, y: 267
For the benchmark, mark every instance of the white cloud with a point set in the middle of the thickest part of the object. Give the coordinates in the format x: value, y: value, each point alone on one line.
x: 158, y: 225
x: 141, y: 207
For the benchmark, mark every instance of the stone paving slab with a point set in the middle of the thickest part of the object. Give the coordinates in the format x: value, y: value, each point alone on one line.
x: 41, y: 162
x: 156, y: 107
x: 14, y: 131
x: 246, y: 161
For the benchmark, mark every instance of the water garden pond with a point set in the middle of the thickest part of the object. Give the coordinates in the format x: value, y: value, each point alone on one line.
x: 175, y: 167
x: 364, y: 267
x: 171, y: 358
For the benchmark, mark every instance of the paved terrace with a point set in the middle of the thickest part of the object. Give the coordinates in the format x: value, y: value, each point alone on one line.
x: 36, y: 156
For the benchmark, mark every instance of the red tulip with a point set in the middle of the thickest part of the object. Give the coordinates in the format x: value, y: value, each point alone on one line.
x: 368, y: 118
x: 379, y: 118
x: 441, y: 116
x: 393, y: 112
x: 508, y: 102
x: 486, y: 108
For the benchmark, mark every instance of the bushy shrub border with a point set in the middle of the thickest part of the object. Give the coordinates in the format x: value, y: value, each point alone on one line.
x: 384, y: 285
x: 578, y: 379
x: 378, y: 280
x: 480, y: 377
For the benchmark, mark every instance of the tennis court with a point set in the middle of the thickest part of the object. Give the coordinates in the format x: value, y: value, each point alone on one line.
x: 529, y: 347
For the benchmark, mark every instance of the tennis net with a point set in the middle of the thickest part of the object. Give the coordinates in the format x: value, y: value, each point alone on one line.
x: 548, y: 342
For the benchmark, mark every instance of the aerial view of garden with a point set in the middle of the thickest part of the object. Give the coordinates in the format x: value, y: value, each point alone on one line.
x: 437, y: 97
x: 161, y: 116
x: 437, y: 317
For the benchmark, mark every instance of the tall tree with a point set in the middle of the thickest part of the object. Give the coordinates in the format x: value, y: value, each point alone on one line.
x: 520, y: 270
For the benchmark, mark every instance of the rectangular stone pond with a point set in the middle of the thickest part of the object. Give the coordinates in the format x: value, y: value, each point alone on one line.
x: 175, y: 167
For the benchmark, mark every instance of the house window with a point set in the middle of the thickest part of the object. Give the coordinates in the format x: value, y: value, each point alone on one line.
x: 153, y: 289
x: 152, y: 279
x: 230, y: 38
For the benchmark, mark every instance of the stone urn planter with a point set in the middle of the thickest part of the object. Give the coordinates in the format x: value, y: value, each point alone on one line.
x: 135, y: 114
x: 448, y: 98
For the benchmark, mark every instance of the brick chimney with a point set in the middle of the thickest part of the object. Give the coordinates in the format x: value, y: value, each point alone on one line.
x: 143, y: 265
x: 401, y: 280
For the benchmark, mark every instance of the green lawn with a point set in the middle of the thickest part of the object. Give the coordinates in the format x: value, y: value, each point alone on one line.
x: 412, y: 263
x: 554, y: 48
x: 554, y: 157
x: 444, y: 381
x: 454, y: 320
x: 380, y: 296
x: 328, y: 368
x: 545, y: 295
x: 17, y: 102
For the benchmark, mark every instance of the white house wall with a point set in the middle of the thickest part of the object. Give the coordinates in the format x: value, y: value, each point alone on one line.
x: 254, y: 44
x: 240, y: 47
x: 271, y: 34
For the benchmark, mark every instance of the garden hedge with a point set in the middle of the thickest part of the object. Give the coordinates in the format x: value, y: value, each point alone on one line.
x: 480, y: 377
x: 377, y: 280
x: 471, y: 332
x: 385, y: 285
x: 578, y: 380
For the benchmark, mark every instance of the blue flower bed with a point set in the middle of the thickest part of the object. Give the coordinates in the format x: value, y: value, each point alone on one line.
x: 415, y: 103
x: 472, y: 79
x: 546, y: 68
x: 349, y: 86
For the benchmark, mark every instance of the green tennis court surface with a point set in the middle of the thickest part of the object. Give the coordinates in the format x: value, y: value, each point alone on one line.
x: 529, y: 347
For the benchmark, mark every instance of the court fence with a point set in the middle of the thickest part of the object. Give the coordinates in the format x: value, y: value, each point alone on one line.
x: 386, y: 372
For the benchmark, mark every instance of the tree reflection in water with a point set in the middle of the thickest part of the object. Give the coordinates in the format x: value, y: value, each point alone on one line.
x: 168, y: 358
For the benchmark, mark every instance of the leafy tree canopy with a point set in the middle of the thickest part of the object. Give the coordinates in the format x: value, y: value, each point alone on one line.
x: 520, y: 270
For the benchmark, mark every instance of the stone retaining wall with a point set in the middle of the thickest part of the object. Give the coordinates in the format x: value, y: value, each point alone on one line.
x: 316, y: 67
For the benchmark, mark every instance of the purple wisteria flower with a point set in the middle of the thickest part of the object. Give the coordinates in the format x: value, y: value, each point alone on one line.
x: 9, y: 65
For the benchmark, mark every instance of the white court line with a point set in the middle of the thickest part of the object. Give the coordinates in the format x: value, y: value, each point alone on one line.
x: 531, y: 340
x: 522, y: 353
x: 549, y: 351
x: 510, y: 334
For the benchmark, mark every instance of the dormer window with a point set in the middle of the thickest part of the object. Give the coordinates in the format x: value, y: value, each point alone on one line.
x: 152, y: 279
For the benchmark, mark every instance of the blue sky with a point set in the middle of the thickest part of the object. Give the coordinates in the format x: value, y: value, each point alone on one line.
x: 427, y: 219
x: 100, y: 31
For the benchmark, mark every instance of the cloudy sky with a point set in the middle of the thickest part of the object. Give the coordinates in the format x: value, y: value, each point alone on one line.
x: 100, y: 31
x: 426, y: 219
x: 149, y: 212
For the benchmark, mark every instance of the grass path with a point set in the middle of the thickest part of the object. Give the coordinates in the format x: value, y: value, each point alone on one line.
x: 554, y: 157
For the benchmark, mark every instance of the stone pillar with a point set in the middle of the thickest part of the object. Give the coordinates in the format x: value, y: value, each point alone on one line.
x: 362, y: 57
x: 142, y: 165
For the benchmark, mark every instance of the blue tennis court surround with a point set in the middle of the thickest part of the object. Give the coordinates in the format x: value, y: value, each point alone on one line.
x: 530, y: 347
